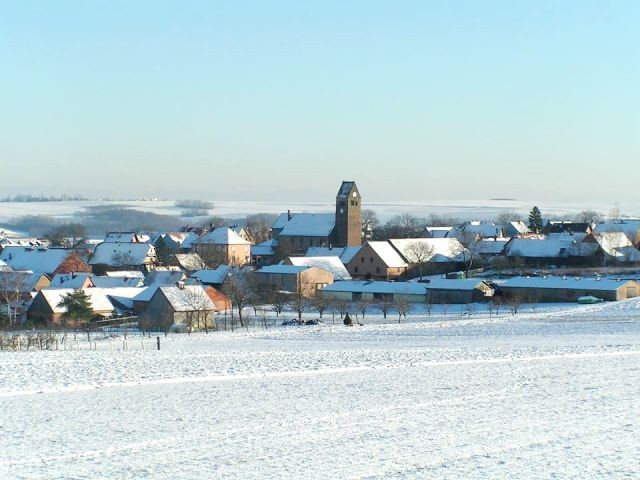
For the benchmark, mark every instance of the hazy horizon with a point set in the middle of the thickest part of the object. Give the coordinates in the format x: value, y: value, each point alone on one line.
x: 415, y: 101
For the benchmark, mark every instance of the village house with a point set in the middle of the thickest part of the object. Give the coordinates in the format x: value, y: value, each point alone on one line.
x: 45, y: 308
x: 615, y: 247
x: 475, y: 230
x: 188, y: 262
x: 264, y: 253
x: 223, y: 246
x: 631, y: 228
x: 377, y: 260
x: 181, y: 308
x: 43, y: 260
x: 432, y: 255
x: 72, y: 280
x: 17, y: 290
x: 123, y: 256
x: 559, y: 250
x: 213, y: 277
x: 302, y: 280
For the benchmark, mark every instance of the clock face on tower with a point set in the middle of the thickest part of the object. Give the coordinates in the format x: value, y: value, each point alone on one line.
x: 342, y: 210
x: 354, y: 194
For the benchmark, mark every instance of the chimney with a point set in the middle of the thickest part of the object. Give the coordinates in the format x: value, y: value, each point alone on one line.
x: 211, y: 226
x: 288, y: 215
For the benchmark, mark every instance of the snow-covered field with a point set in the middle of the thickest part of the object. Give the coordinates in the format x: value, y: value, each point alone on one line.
x: 460, y: 209
x: 552, y: 394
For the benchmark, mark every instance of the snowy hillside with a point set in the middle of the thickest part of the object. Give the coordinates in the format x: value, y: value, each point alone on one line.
x: 530, y: 396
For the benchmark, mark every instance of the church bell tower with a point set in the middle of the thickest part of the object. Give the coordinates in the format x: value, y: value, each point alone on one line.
x: 348, y: 229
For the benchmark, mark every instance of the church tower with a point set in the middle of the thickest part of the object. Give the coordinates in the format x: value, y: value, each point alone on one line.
x: 348, y: 229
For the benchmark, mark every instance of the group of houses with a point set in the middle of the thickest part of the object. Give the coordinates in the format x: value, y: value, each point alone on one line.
x: 178, y: 280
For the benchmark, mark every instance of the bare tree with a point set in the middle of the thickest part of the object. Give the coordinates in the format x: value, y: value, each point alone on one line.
x: 506, y: 217
x: 299, y: 304
x: 238, y: 288
x: 321, y: 304
x: 369, y: 222
x: 428, y: 303
x: 384, y: 307
x: 12, y: 285
x: 514, y: 301
x: 259, y: 226
x: 468, y: 250
x: 419, y: 252
x: 276, y: 297
x: 200, y: 313
x: 362, y: 306
x: 441, y: 221
x: 402, y: 307
x: 589, y: 216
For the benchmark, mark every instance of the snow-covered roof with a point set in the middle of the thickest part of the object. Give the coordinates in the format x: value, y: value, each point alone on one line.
x: 36, y: 259
x: 125, y: 273
x: 23, y: 281
x: 215, y: 276
x: 438, y: 232
x: 482, y: 229
x: 490, y: 246
x: 306, y: 224
x: 221, y: 236
x: 189, y: 261
x: 387, y: 254
x: 70, y: 280
x: 283, y: 269
x: 115, y: 254
x: 618, y: 245
x: 163, y: 277
x: 631, y: 228
x: 187, y: 298
x: 121, y: 237
x: 117, y: 282
x: 330, y: 264
x: 519, y: 226
x: 404, y: 288
x: 561, y: 247
x: 98, y: 299
x: 344, y: 253
x: 577, y: 283
x: 189, y: 240
x: 265, y: 248
x: 440, y: 250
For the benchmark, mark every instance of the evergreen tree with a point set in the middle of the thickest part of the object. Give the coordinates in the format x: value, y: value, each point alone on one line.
x: 535, y: 220
x: 78, y: 305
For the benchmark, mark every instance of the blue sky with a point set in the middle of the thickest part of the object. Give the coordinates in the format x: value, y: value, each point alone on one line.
x: 282, y: 100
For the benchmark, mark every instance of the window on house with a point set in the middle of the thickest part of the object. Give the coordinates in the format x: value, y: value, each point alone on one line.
x: 355, y: 296
x: 377, y: 269
x: 370, y: 259
x: 356, y: 269
x: 362, y: 260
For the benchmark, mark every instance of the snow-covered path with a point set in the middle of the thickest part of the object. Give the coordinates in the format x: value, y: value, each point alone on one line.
x: 539, y: 396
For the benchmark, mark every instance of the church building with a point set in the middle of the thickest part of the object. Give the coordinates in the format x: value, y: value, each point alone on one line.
x: 296, y: 232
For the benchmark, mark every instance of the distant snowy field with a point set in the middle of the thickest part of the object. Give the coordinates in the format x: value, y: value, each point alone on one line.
x: 463, y: 210
x: 552, y: 394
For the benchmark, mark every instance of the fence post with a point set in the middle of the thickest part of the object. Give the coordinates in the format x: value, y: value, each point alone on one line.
x: 158, y: 341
